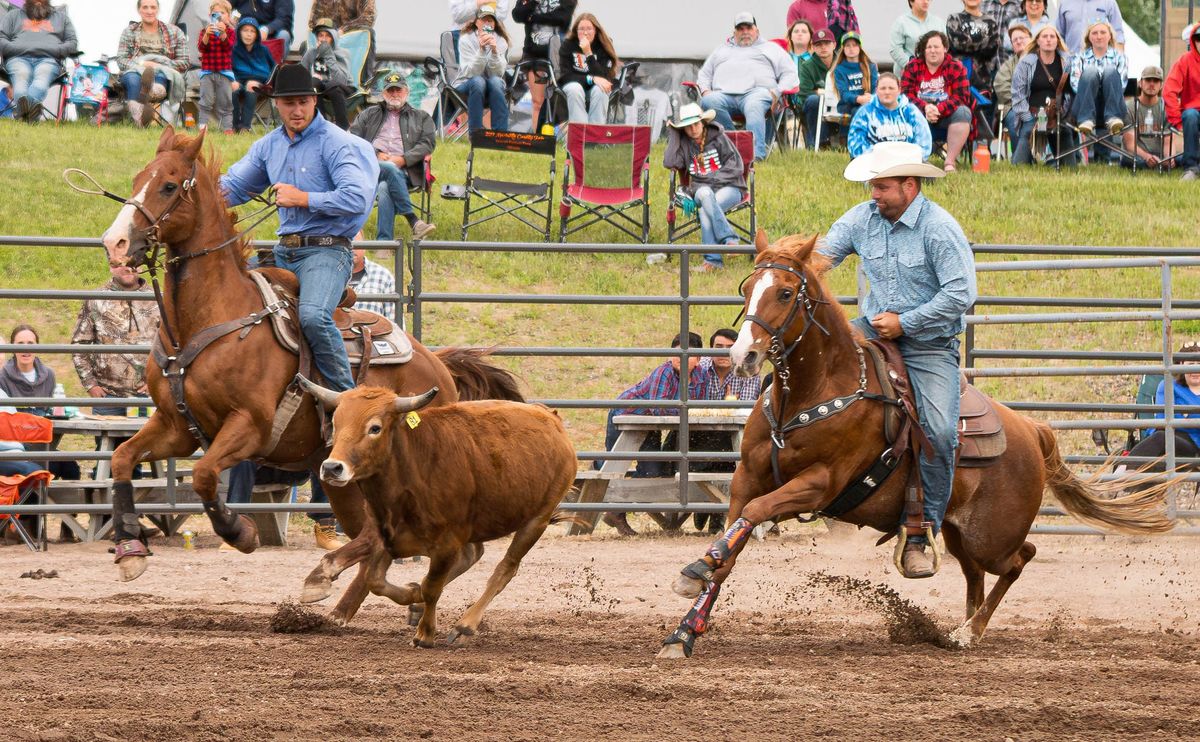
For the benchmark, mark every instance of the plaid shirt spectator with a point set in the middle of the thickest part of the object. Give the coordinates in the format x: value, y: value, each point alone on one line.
x: 947, y: 88
x: 129, y: 48
x: 842, y: 17
x: 216, y: 52
x: 1003, y: 14
x: 742, y: 387
x: 376, y: 280
x: 663, y: 383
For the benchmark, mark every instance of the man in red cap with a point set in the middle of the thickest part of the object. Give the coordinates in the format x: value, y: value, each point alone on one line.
x: 812, y: 81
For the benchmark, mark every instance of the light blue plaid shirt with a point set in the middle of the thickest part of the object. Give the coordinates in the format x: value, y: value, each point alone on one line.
x: 375, y: 279
x: 921, y: 267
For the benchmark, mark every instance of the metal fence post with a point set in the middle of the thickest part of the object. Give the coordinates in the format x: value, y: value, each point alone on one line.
x: 685, y: 324
x: 415, y: 299
x: 1168, y: 349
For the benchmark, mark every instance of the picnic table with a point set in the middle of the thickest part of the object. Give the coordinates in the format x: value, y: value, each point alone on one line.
x: 609, y: 483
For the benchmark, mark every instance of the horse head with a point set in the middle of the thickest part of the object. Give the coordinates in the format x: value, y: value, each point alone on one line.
x: 784, y: 299
x: 163, y: 208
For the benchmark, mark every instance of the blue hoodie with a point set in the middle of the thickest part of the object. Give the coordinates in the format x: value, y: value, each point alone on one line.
x: 255, y: 63
x: 873, y: 123
x: 848, y: 78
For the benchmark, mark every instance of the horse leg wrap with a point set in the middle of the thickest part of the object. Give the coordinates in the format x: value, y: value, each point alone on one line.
x: 695, y: 622
x: 125, y: 518
x: 729, y: 543
x: 225, y: 523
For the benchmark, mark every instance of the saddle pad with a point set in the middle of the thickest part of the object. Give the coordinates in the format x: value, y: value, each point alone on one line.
x: 390, y: 345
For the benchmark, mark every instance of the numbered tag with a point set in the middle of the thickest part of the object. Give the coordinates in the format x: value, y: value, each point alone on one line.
x: 383, y: 348
x: 413, y: 419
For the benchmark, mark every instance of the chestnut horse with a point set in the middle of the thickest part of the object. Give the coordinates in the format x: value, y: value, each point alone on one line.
x: 991, y: 509
x: 234, y: 384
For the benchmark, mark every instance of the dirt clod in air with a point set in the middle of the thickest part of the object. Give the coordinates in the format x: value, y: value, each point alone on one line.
x: 906, y: 622
x: 293, y: 618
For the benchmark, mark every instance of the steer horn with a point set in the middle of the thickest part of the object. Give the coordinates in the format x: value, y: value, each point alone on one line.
x: 408, y: 404
x: 327, y: 397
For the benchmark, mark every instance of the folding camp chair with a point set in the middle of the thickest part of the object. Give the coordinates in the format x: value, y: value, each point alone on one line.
x: 357, y: 44
x: 58, y: 92
x: 451, y: 110
x: 677, y: 230
x: 545, y: 71
x: 827, y: 110
x: 264, y: 111
x: 612, y: 177
x: 622, y: 92
x: 420, y: 181
x: 88, y: 90
x: 503, y: 197
x: 23, y: 427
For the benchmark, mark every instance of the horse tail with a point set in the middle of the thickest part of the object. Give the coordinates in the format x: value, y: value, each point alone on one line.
x: 1105, y: 505
x: 476, y: 379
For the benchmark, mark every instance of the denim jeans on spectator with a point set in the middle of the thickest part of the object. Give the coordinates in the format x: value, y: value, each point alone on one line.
x: 590, y: 106
x: 393, y: 198
x: 714, y: 227
x: 1099, y: 93
x: 1023, y: 150
x: 244, y: 103
x: 812, y: 112
x: 31, y: 76
x: 754, y: 105
x: 1012, y: 124
x: 1191, y: 138
x: 483, y: 91
x: 132, y: 82
x: 933, y: 369
x: 653, y: 443
x: 323, y: 273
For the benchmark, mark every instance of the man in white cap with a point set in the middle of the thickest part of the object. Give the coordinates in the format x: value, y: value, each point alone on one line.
x: 922, y: 276
x: 746, y: 75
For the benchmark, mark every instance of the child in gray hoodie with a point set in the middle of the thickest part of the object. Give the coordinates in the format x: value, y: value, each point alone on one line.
x: 330, y: 66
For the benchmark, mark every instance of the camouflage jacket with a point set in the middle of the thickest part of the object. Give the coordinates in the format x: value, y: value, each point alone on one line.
x: 347, y: 15
x: 114, y: 322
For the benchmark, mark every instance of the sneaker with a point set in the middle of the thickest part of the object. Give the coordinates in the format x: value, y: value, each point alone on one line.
x: 1115, y: 125
x: 1087, y: 128
x: 325, y: 532
x: 1190, y: 174
x: 25, y: 108
x: 708, y: 267
x: 421, y: 230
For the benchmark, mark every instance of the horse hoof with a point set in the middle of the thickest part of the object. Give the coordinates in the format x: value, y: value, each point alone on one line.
x: 671, y: 652
x: 316, y: 590
x: 963, y: 637
x: 459, y: 631
x: 247, y: 540
x: 337, y: 619
x: 131, y: 567
x: 687, y: 587
x: 420, y: 643
x: 414, y: 614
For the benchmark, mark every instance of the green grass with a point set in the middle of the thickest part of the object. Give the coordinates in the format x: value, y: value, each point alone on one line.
x: 796, y: 192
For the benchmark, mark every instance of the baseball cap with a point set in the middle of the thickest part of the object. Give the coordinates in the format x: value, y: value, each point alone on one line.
x: 744, y: 17
x: 823, y: 34
x: 394, y: 80
x: 1153, y: 72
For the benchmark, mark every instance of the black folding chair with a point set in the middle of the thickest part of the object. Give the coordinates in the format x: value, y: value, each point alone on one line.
x: 521, y: 200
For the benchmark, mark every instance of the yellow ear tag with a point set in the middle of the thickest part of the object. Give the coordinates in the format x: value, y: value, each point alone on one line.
x: 413, y: 419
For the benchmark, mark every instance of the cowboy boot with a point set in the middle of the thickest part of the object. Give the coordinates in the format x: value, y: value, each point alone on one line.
x: 618, y: 521
x: 915, y: 562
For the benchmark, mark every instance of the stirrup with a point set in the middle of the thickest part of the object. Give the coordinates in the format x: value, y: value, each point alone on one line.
x: 902, y: 540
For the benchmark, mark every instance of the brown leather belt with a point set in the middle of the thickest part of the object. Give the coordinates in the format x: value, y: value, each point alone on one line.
x: 313, y: 240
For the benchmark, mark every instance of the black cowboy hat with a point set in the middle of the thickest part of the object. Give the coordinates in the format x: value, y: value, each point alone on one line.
x: 291, y: 80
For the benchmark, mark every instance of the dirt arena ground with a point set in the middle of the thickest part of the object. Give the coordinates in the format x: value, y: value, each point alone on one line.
x: 1100, y: 639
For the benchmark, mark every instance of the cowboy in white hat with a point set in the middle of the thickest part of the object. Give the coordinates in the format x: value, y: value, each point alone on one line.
x: 922, y: 276
x: 697, y: 144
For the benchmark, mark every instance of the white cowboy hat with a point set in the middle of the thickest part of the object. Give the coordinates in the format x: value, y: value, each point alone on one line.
x: 690, y: 114
x: 891, y: 160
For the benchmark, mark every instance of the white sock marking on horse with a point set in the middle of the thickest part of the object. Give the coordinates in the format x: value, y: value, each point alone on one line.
x: 745, y: 338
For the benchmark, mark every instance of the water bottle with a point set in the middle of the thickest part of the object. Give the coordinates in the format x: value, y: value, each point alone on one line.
x: 189, y: 120
x: 981, y: 160
x: 59, y: 393
x: 1041, y: 120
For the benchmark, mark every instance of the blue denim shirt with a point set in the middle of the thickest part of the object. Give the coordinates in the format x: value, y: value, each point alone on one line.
x: 921, y: 267
x: 338, y: 170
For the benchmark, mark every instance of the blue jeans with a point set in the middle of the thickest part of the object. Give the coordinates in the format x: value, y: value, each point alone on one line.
x: 1191, y: 138
x: 1012, y: 123
x: 1099, y: 92
x: 15, y: 468
x: 585, y: 106
x: 711, y: 208
x: 31, y: 76
x: 812, y: 111
x: 244, y: 103
x: 933, y: 371
x: 132, y: 82
x: 393, y: 197
x: 653, y: 443
x: 483, y: 91
x: 753, y: 105
x: 323, y: 273
x: 242, y: 479
x: 1023, y: 153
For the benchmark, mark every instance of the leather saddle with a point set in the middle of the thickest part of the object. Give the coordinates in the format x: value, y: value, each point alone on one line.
x: 365, y: 334
x: 981, y: 438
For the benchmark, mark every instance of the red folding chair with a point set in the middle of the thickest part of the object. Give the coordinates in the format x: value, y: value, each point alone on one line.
x: 677, y: 230
x: 17, y: 489
x: 275, y: 46
x: 611, y: 164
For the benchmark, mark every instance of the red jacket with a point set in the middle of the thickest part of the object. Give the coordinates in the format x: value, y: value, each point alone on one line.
x: 1182, y: 87
x: 216, y: 52
x: 947, y: 88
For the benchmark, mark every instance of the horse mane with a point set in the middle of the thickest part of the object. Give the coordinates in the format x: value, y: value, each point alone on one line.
x: 802, y: 250
x: 209, y: 160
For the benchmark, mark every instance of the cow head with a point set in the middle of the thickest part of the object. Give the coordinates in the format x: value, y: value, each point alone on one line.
x: 365, y: 421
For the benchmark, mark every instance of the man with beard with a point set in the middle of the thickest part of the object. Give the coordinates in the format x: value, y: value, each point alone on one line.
x: 402, y: 137
x: 34, y: 41
x: 747, y: 75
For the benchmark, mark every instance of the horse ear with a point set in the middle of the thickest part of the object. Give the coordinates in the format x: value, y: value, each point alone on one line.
x: 166, y: 142
x: 760, y: 240
x: 806, y: 249
x: 192, y: 151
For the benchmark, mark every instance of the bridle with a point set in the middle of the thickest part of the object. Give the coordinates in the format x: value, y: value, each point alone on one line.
x: 154, y: 257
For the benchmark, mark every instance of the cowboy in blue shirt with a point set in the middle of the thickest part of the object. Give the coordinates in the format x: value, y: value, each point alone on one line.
x: 922, y: 276
x: 324, y: 183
